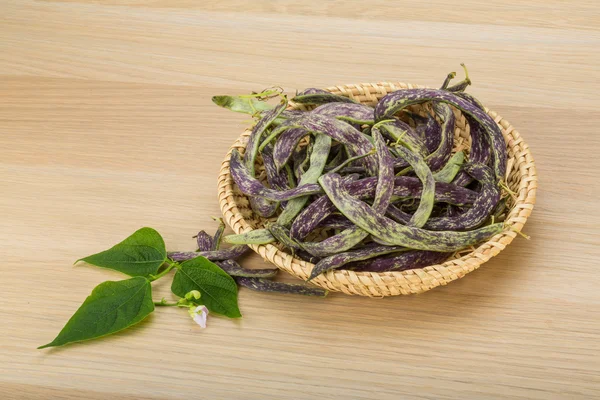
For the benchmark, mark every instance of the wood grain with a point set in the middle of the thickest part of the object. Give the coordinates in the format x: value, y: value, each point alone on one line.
x: 106, y: 125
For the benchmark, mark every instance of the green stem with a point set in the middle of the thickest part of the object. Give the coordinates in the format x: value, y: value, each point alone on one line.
x: 160, y: 303
x: 172, y: 265
x: 350, y: 160
x: 163, y: 303
x: 381, y: 123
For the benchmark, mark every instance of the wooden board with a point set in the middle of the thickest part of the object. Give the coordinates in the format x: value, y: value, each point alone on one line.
x: 106, y: 125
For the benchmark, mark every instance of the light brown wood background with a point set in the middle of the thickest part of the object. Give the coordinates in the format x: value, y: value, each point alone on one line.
x: 106, y: 125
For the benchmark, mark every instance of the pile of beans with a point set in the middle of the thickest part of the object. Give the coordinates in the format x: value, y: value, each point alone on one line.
x: 381, y: 187
x: 256, y: 279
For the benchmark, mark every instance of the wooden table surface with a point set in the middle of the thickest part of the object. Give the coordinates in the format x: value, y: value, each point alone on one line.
x: 106, y: 125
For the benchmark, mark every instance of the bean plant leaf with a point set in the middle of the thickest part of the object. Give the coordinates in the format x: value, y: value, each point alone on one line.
x: 112, y: 307
x: 219, y: 290
x: 141, y: 254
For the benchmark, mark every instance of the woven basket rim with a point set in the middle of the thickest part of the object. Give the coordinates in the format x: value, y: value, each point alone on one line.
x: 393, y: 283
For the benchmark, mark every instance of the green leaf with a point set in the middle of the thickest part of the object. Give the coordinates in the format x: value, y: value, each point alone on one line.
x: 219, y: 290
x: 141, y: 254
x: 112, y: 306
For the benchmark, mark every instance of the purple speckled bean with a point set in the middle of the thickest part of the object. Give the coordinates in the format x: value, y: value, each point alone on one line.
x: 470, y: 98
x: 394, y: 233
x: 398, y: 215
x: 336, y: 222
x: 261, y: 206
x: 256, y: 236
x: 350, y: 237
x: 401, y: 262
x: 318, y: 158
x: 291, y: 113
x: 306, y: 256
x: 319, y: 96
x: 256, y: 134
x: 427, y: 199
x: 393, y: 102
x: 404, y: 186
x: 218, y: 236
x: 343, y: 241
x: 343, y: 133
x: 230, y: 253
x: 338, y: 260
x: 411, y: 187
x: 352, y: 170
x: 312, y: 91
x: 301, y: 160
x: 286, y: 144
x: 311, y: 217
x: 265, y: 285
x: 278, y: 180
x: 431, y: 132
x: 401, y: 132
x: 354, y: 113
x: 252, y: 187
x: 282, y: 235
x: 314, y: 213
x: 449, y: 171
x: 204, y: 240
x: 232, y: 268
x: 482, y: 207
x: 480, y: 151
x: 437, y: 159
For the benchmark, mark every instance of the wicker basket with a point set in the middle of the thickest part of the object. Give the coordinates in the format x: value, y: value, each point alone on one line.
x: 521, y: 178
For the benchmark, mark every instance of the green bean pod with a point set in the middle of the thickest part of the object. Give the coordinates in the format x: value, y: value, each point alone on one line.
x: 282, y: 235
x: 442, y: 153
x: 338, y: 260
x: 318, y: 159
x: 253, y: 188
x: 301, y: 159
x: 257, y: 236
x: 319, y: 96
x: 394, y: 233
x: 449, y: 171
x: 234, y: 269
x: 482, y: 207
x: 354, y: 140
x: 216, y: 241
x: 349, y: 238
x: 204, y: 240
x: 402, y: 133
x: 393, y: 102
x: 286, y: 144
x: 261, y: 206
x: 353, y: 113
x: 265, y: 285
x: 400, y: 262
x: 214, y: 255
x: 242, y: 104
x: 428, y: 192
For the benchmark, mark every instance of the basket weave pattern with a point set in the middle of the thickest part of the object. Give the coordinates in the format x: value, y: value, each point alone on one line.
x: 521, y: 179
